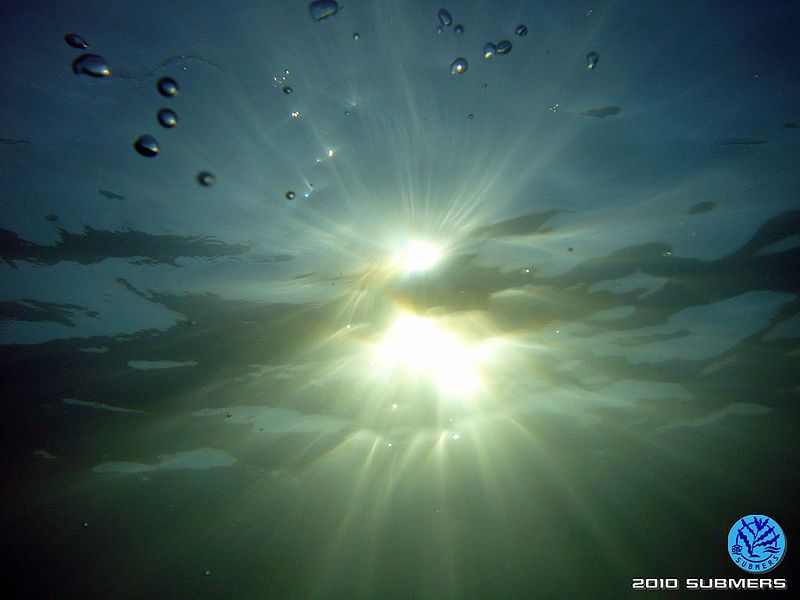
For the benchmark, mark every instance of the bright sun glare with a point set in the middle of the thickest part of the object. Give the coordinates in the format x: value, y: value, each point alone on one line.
x: 421, y: 346
x: 420, y: 256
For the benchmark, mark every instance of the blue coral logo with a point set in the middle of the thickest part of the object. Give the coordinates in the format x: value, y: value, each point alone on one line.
x: 756, y: 543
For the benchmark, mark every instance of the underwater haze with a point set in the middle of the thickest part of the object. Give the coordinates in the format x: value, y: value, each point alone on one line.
x: 371, y: 300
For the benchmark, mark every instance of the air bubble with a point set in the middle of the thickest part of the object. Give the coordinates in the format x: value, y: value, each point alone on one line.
x: 287, y: 89
x: 356, y: 37
x: 445, y: 18
x: 439, y: 29
x: 167, y: 117
x: 521, y: 30
x: 147, y: 145
x: 503, y: 47
x: 168, y: 87
x: 290, y: 195
x: 460, y: 65
x: 591, y: 60
x: 92, y: 65
x: 459, y: 29
x: 489, y: 50
x: 76, y: 41
x: 322, y: 9
x: 206, y: 179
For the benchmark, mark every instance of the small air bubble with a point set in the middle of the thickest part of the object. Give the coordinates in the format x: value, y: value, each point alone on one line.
x: 76, y: 41
x: 147, y: 145
x: 287, y: 89
x: 445, y: 18
x: 206, y: 179
x: 290, y: 195
x: 92, y: 65
x: 322, y: 9
x: 168, y: 87
x: 591, y: 60
x: 459, y: 29
x: 459, y: 65
x: 167, y: 117
x: 356, y: 37
x: 489, y: 50
x: 503, y: 47
x: 521, y: 30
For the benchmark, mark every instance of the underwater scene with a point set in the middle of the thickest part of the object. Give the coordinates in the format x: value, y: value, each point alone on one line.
x: 395, y: 299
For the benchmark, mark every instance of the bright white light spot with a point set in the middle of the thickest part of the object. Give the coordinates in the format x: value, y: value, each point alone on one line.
x: 394, y: 406
x: 420, y: 256
x: 422, y: 347
x: 389, y: 445
x: 456, y: 436
x: 331, y: 153
x: 295, y: 114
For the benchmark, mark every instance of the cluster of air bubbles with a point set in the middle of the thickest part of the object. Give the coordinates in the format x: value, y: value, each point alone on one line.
x: 591, y: 60
x: 281, y: 78
x: 445, y: 20
x: 147, y: 145
x: 322, y: 9
x: 459, y: 66
x: 490, y: 49
x: 92, y: 65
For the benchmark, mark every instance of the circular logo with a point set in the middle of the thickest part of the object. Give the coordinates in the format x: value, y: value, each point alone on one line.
x: 756, y: 543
